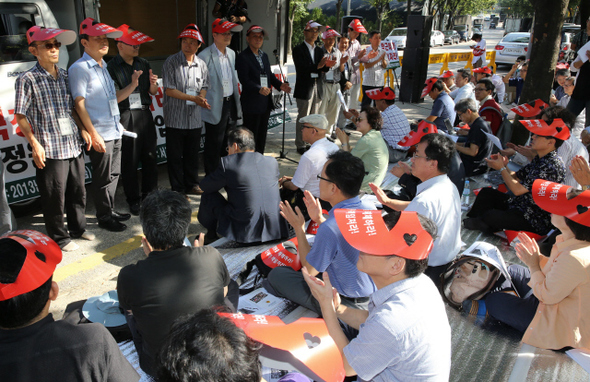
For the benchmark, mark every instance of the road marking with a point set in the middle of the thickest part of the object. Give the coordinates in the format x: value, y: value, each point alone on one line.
x: 94, y: 260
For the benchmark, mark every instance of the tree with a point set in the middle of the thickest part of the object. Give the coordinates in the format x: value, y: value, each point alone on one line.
x: 297, y: 8
x: 382, y: 9
x: 546, y: 37
x: 338, y: 10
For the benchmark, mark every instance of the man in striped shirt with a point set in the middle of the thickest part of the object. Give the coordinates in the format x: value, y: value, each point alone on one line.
x: 134, y: 105
x: 43, y: 109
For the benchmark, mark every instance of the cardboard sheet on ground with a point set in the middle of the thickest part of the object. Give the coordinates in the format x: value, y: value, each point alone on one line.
x: 259, y: 301
x: 494, y: 140
x: 581, y: 357
x: 303, y: 345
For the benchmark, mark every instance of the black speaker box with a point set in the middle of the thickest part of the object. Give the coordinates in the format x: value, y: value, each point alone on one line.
x: 414, y: 72
x: 419, y: 28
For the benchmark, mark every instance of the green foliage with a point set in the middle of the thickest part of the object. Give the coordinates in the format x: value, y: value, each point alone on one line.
x: 517, y: 8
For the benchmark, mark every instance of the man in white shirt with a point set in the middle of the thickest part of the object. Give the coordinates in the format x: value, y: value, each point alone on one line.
x: 464, y: 87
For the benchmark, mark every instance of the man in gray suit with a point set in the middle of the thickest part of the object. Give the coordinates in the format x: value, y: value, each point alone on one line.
x: 251, y: 212
x: 222, y: 95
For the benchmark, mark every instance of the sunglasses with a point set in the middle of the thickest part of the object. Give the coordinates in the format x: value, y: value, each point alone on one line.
x: 133, y: 46
x: 49, y: 45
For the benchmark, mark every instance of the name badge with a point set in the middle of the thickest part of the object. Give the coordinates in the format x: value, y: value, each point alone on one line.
x: 134, y: 101
x: 330, y: 75
x: 227, y: 87
x: 314, y: 75
x: 65, y: 127
x: 114, y: 107
x: 191, y: 92
x: 263, y: 80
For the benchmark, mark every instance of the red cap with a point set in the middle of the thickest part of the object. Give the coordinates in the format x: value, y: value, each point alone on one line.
x: 132, y: 37
x: 531, y: 109
x: 562, y: 65
x: 356, y: 26
x: 191, y: 31
x: 413, y: 138
x: 38, y: 33
x: 447, y: 74
x: 483, y: 69
x: 256, y: 29
x: 222, y: 26
x: 376, y: 94
x: 92, y: 27
x: 41, y: 255
x: 329, y: 32
x: 428, y: 86
x: 282, y: 255
x: 367, y: 232
x: 557, y: 129
x: 465, y: 126
x: 553, y: 198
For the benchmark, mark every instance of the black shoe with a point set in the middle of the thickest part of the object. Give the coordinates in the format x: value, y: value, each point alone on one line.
x: 475, y: 224
x: 195, y: 190
x: 120, y: 216
x: 134, y: 208
x: 112, y: 225
x: 210, y: 237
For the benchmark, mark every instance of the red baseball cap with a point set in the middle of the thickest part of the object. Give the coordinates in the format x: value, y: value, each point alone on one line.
x: 428, y: 86
x: 222, y: 26
x: 447, y: 74
x: 132, y: 37
x: 329, y: 32
x: 366, y: 231
x: 32, y: 262
x: 531, y: 109
x: 92, y: 27
x: 377, y: 94
x: 38, y: 33
x: 191, y: 31
x: 356, y: 25
x: 557, y: 129
x: 483, y: 69
x: 424, y: 127
x: 256, y: 29
x: 553, y: 198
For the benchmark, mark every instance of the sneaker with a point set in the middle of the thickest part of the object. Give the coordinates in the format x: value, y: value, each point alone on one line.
x: 119, y: 216
x: 475, y: 307
x: 134, y: 209
x: 71, y: 246
x: 112, y: 225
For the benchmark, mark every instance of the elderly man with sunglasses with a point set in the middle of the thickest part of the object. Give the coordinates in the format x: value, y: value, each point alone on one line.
x: 44, y: 113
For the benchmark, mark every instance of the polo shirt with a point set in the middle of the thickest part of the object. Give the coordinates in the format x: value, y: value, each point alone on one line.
x: 443, y: 108
x: 311, y: 164
x: 372, y: 150
x: 331, y: 253
x: 438, y: 199
x: 94, y: 83
x: 50, y: 350
x: 406, y: 336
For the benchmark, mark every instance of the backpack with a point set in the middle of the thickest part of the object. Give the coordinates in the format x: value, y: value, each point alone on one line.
x: 473, y: 275
x: 504, y: 132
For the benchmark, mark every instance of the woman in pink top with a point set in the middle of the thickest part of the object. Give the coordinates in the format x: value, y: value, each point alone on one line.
x: 553, y: 310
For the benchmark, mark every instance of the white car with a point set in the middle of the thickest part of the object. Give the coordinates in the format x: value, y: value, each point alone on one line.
x: 511, y: 46
x: 399, y: 36
x: 437, y: 38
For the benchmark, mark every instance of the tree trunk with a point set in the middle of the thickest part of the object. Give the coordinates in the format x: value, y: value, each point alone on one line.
x: 549, y: 17
x: 338, y: 10
x: 290, y: 30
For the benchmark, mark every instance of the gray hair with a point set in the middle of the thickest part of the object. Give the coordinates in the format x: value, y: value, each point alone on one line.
x: 466, y: 104
x: 165, y: 216
x: 243, y: 137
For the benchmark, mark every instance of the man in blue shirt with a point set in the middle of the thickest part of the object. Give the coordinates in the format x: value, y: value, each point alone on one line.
x: 95, y: 100
x: 443, y: 109
x: 340, y: 182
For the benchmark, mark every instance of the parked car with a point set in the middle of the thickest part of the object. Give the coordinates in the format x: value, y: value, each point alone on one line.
x: 437, y: 38
x: 399, y: 36
x: 511, y: 46
x: 464, y: 32
x: 452, y: 37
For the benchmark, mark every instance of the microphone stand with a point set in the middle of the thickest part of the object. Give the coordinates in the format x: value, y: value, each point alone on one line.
x: 283, y: 153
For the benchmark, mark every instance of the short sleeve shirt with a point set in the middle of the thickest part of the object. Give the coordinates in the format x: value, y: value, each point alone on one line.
x: 443, y: 108
x: 93, y: 82
x: 121, y: 72
x: 475, y: 165
x: 44, y: 99
x: 550, y: 168
x: 311, y: 165
x: 178, y: 74
x: 374, y: 76
x: 331, y: 253
x: 395, y: 127
x: 372, y: 150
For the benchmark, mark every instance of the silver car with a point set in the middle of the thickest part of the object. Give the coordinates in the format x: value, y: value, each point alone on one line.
x: 399, y: 36
x: 511, y: 46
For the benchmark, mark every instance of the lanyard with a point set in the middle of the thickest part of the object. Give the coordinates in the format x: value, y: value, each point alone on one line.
x: 104, y: 82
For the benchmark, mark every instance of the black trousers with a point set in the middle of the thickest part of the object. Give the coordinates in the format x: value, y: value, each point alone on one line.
x: 182, y: 151
x: 258, y: 123
x: 215, y: 135
x: 135, y: 150
x: 106, y: 168
x: 211, y: 208
x: 61, y: 186
x: 491, y: 207
x: 366, y: 101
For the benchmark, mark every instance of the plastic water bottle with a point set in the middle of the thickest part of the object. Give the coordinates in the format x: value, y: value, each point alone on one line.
x: 466, y: 192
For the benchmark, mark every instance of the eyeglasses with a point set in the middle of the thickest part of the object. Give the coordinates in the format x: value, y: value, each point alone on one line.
x: 420, y: 156
x: 480, y: 89
x: 49, y: 45
x: 133, y: 46
x: 326, y: 179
